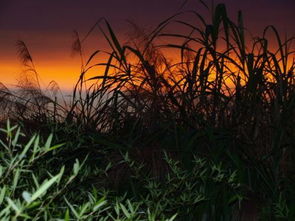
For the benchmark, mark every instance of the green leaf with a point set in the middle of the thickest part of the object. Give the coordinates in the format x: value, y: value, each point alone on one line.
x: 16, y: 136
x: 13, y: 205
x: 36, y: 148
x: 72, y: 209
x: 28, y: 145
x: 67, y: 215
x: 48, y: 142
x: 16, y: 178
x: 36, y: 143
x: 35, y: 181
x: 33, y: 205
x: 61, y: 172
x: 2, y: 194
x: 84, y: 209
x: 99, y: 204
x: 76, y: 167
x: 125, y: 211
x: 172, y: 218
x: 44, y: 187
x: 56, y: 146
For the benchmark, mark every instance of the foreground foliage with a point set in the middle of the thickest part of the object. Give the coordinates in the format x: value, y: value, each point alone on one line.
x: 31, y: 188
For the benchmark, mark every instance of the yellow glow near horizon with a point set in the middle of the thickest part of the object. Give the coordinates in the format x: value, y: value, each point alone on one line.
x: 64, y: 75
x: 63, y: 70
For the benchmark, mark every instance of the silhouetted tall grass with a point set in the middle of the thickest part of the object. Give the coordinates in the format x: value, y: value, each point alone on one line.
x: 236, y: 93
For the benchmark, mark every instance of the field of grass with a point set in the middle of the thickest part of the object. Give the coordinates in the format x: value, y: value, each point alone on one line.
x: 209, y: 135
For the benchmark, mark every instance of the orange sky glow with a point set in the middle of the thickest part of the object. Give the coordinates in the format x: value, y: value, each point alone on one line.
x: 49, y: 41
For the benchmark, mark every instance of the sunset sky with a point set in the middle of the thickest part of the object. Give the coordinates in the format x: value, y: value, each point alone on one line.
x: 47, y: 28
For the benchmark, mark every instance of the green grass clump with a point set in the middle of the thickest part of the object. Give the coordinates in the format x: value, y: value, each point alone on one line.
x: 32, y: 188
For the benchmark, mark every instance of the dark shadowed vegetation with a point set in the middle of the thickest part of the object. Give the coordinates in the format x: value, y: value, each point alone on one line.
x: 205, y: 135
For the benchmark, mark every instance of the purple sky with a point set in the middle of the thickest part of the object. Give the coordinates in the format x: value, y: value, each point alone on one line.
x: 66, y: 15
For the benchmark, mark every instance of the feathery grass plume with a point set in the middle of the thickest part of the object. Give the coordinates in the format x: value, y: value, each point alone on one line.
x: 23, y: 53
x: 26, y: 58
x: 30, y: 102
x: 77, y: 48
